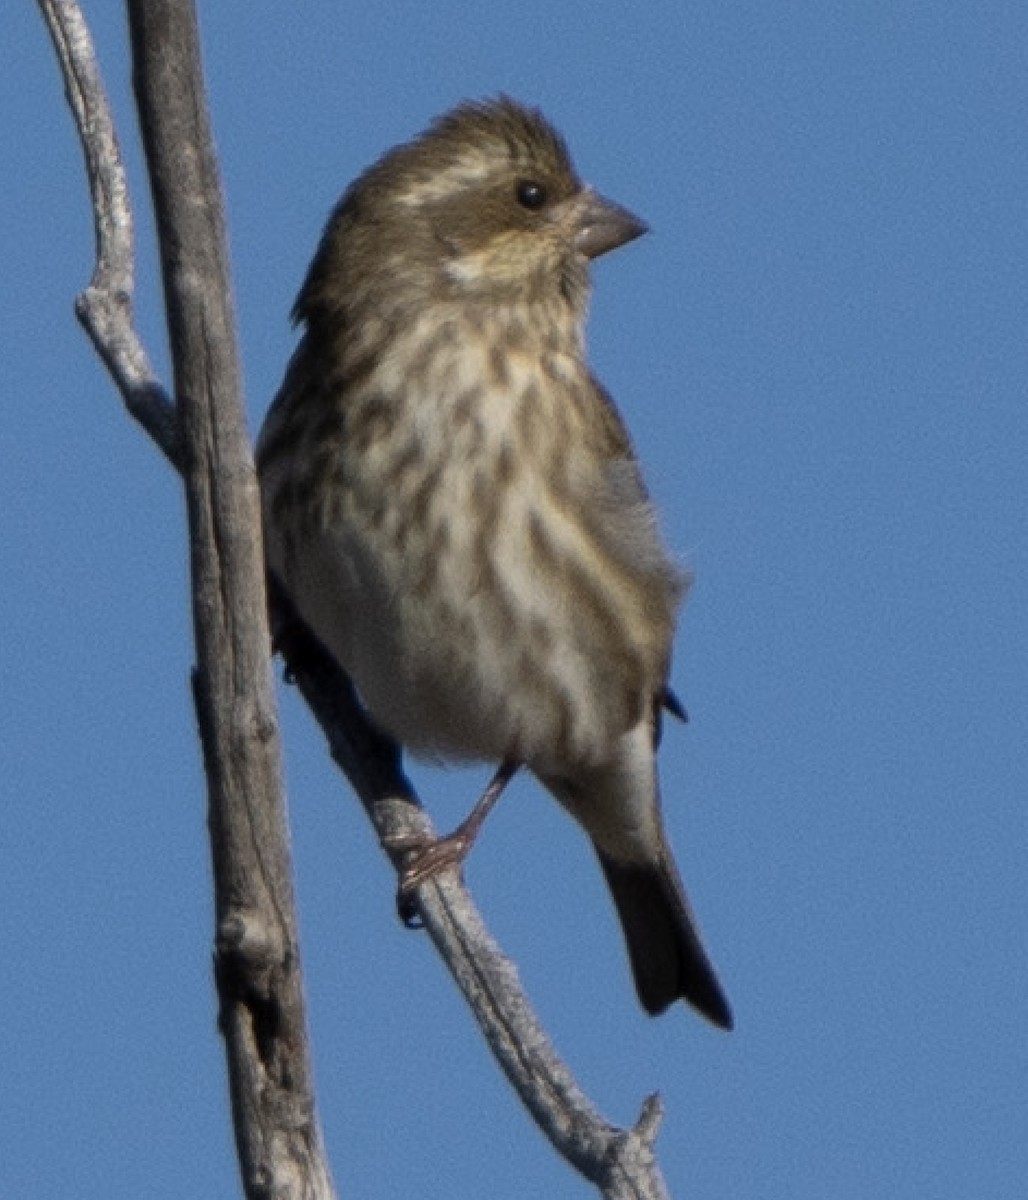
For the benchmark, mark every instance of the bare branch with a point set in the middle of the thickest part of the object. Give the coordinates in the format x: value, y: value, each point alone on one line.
x: 258, y: 970
x: 105, y: 306
x: 620, y: 1162
x: 262, y: 1013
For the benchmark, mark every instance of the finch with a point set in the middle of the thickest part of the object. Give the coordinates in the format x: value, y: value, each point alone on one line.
x: 453, y: 505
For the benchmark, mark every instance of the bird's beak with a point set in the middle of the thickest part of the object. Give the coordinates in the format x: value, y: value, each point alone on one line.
x: 604, y: 225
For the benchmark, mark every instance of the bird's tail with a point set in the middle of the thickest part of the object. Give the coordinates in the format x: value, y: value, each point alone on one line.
x: 667, y: 957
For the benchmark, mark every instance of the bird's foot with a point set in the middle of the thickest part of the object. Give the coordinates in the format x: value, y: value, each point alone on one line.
x: 428, y: 855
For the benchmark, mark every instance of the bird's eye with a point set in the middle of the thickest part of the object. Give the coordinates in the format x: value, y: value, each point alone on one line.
x: 531, y: 195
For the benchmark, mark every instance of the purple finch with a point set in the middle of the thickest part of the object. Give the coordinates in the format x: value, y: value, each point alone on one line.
x: 453, y: 505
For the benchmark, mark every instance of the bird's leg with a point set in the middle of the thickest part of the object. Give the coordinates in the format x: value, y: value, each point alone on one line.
x: 429, y: 857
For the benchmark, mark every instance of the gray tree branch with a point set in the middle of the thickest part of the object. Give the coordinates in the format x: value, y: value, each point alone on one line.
x: 262, y: 1013
x: 105, y: 306
x: 260, y: 985
x: 620, y: 1162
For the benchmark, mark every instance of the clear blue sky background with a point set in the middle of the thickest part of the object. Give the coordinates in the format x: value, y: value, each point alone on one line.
x: 822, y: 350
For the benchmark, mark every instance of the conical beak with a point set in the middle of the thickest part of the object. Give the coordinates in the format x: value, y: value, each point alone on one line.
x: 604, y: 225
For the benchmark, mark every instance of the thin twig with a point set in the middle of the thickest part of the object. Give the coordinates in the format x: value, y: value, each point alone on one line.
x: 105, y: 306
x: 620, y: 1162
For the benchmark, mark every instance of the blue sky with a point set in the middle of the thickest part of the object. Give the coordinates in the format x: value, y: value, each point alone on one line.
x: 822, y: 352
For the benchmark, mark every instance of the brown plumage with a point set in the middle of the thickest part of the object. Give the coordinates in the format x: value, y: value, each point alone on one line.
x: 454, y: 506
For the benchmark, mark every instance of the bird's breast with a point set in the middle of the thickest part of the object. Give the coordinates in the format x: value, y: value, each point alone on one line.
x: 460, y: 573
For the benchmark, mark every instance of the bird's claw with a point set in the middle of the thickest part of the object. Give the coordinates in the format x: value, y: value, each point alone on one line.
x: 428, y: 856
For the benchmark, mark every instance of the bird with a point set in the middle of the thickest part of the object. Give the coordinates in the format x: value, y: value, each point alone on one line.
x: 453, y: 505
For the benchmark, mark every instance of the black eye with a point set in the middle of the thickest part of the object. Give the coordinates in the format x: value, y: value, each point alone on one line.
x: 531, y: 195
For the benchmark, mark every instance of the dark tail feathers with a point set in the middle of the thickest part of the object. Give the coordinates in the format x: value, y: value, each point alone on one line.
x: 667, y: 957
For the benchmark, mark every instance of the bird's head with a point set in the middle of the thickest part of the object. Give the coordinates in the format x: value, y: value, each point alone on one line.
x: 484, y: 206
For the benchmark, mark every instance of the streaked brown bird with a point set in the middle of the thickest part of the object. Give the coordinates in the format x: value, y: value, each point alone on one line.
x: 453, y: 505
